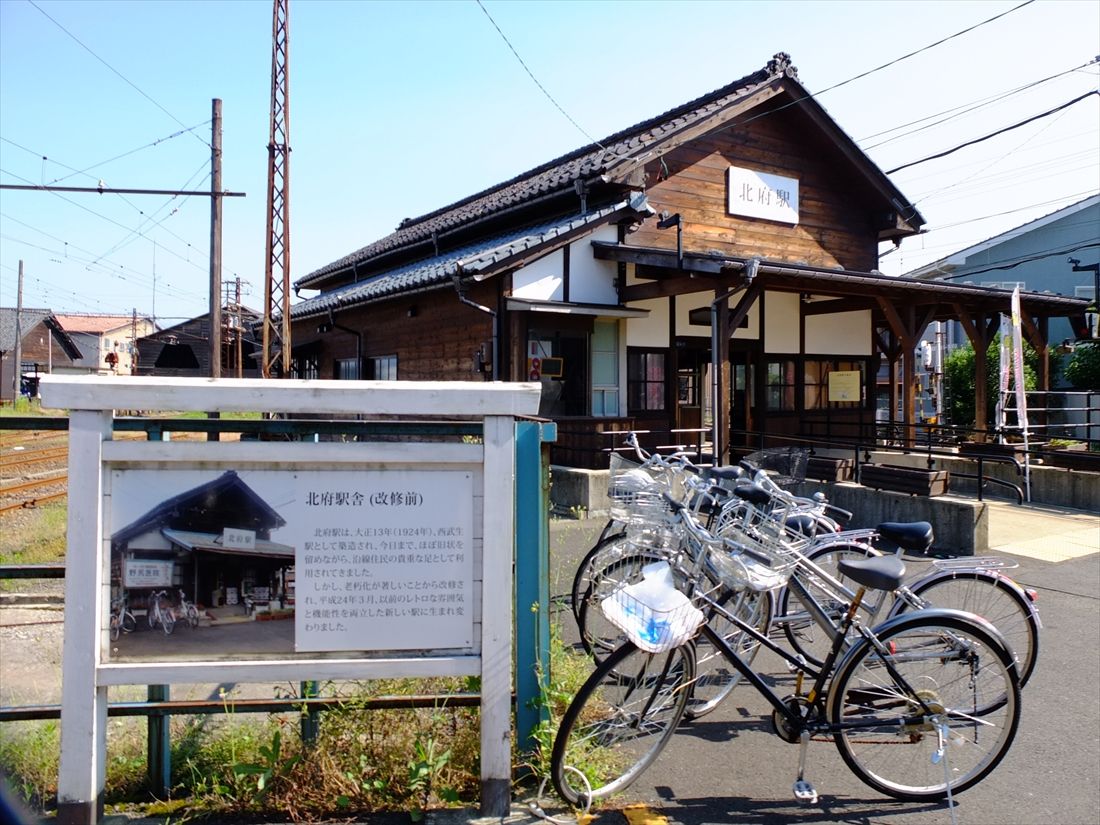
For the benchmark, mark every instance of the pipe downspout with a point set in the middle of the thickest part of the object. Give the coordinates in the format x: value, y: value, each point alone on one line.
x: 358, y: 340
x: 460, y: 290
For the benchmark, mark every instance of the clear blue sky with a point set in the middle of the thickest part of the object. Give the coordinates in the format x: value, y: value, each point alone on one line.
x: 398, y: 109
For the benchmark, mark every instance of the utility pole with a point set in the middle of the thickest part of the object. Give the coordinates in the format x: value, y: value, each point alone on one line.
x: 277, y: 261
x: 18, y: 382
x: 216, y: 240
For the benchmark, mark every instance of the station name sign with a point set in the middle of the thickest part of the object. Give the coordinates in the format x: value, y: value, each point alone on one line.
x: 762, y: 195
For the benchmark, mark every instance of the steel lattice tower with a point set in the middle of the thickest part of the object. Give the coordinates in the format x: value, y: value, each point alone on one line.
x: 276, y: 337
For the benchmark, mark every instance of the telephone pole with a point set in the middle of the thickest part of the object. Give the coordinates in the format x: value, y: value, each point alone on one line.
x: 216, y: 240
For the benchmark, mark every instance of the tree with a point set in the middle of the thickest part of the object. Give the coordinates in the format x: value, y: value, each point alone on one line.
x: 959, y: 382
x: 1083, y: 369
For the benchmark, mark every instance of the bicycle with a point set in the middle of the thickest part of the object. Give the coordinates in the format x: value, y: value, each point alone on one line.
x: 188, y: 611
x: 122, y: 620
x: 891, y: 702
x: 160, y: 612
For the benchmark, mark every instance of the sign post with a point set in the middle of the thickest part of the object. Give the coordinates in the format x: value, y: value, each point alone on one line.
x: 435, y: 555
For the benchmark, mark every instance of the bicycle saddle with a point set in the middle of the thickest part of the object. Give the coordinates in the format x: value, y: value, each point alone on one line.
x: 876, y: 572
x: 915, y: 536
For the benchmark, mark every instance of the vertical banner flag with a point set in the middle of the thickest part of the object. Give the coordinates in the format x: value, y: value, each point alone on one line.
x: 1021, y: 388
x: 1005, y: 370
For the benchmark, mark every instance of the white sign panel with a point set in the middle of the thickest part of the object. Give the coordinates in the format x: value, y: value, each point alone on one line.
x: 144, y: 573
x: 762, y: 195
x: 387, y: 561
x: 239, y: 539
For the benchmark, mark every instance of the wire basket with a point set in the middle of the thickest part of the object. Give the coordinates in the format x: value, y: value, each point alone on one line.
x: 786, y: 465
x: 743, y: 563
x: 636, y: 492
x: 652, y: 613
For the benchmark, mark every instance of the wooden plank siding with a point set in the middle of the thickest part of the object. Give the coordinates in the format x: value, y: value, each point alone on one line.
x: 436, y: 343
x: 834, y: 228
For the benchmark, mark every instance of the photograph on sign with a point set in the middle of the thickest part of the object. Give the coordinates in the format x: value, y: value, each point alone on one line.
x: 271, y: 562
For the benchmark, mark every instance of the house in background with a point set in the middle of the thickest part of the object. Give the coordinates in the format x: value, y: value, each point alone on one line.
x: 1058, y: 253
x: 184, y: 349
x: 707, y: 274
x: 44, y: 348
x: 107, y: 342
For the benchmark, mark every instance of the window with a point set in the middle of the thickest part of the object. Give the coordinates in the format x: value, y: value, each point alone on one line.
x: 816, y: 383
x: 382, y: 368
x: 303, y: 367
x: 779, y: 385
x: 605, y: 368
x: 346, y: 369
x: 645, y: 380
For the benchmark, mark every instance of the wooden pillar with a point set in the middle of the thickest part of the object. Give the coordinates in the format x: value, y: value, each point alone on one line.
x: 720, y: 366
x: 908, y: 331
x: 83, y: 769
x: 980, y: 329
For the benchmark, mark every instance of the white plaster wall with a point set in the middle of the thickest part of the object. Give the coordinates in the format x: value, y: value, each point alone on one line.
x: 540, y: 280
x: 781, y: 322
x: 651, y: 331
x: 592, y: 281
x: 845, y: 333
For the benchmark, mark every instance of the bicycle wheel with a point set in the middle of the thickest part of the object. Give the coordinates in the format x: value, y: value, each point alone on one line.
x: 620, y: 720
x: 129, y: 623
x: 167, y: 622
x: 805, y: 635
x: 611, y: 545
x: 116, y: 626
x: 913, y: 714
x: 715, y: 677
x: 192, y: 615
x: 996, y: 599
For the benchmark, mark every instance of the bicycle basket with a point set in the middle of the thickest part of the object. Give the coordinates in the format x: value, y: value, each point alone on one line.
x: 636, y: 492
x: 754, y: 558
x: 786, y: 465
x: 652, y: 613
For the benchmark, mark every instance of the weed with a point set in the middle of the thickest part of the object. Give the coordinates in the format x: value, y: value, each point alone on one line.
x: 271, y: 767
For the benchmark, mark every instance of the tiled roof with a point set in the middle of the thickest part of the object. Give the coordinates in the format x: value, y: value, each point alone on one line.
x: 467, y: 260
x: 28, y: 320
x: 560, y: 174
x: 93, y: 323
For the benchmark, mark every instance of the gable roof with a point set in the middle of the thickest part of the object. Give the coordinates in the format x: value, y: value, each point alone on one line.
x: 28, y: 320
x: 188, y: 508
x: 478, y: 260
x: 96, y: 324
x: 958, y: 259
x: 610, y: 163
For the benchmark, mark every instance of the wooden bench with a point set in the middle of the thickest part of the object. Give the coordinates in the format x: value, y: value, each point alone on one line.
x: 914, y: 481
x: 820, y: 468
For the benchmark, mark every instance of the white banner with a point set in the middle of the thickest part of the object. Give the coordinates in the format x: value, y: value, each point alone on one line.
x: 1018, y: 362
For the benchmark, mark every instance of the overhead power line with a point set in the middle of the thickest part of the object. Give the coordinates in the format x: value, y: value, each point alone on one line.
x: 531, y: 74
x: 1026, y: 260
x: 123, y: 77
x: 1032, y: 119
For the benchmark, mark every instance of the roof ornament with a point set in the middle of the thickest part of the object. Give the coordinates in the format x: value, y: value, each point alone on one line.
x: 780, y: 64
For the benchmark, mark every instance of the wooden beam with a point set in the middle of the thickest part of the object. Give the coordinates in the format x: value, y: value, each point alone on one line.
x: 741, y: 311
x: 678, y: 285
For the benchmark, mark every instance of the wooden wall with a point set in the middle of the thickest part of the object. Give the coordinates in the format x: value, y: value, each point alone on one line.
x: 835, y: 226
x: 436, y: 342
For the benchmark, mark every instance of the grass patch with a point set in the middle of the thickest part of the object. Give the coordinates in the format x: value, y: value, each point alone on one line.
x: 24, y: 407
x: 363, y: 760
x: 39, y: 537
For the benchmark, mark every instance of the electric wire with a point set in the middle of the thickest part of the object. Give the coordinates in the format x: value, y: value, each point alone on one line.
x: 1011, y: 264
x: 104, y: 218
x: 531, y: 74
x: 963, y: 109
x: 125, y: 79
x: 1001, y: 131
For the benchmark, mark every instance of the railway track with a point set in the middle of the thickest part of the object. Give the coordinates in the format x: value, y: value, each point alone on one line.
x: 33, y: 469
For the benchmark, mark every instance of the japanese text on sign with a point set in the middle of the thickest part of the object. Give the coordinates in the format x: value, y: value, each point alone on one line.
x: 386, y: 562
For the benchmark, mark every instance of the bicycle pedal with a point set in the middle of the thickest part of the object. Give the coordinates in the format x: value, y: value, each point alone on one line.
x: 804, y: 792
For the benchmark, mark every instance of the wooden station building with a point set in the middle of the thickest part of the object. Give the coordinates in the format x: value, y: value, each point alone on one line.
x: 712, y: 267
